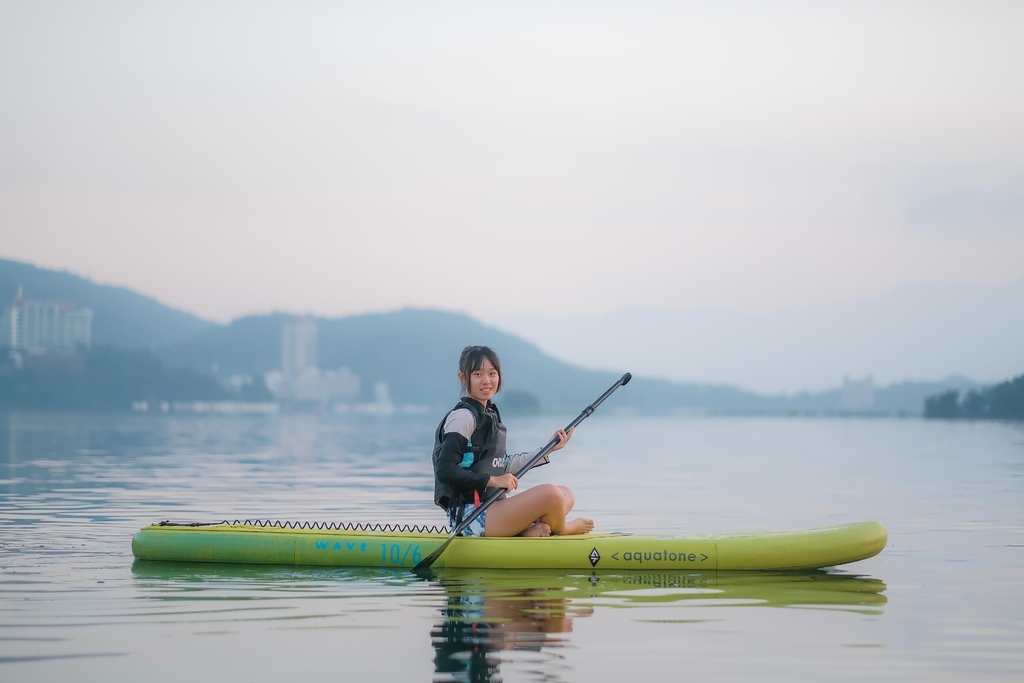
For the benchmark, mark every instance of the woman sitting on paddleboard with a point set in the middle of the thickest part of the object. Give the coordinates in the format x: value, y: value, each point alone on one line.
x: 470, y: 463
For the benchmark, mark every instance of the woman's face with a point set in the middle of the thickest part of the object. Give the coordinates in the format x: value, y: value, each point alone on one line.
x: 482, y: 383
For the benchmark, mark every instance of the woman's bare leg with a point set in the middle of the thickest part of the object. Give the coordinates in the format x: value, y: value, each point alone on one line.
x: 570, y: 498
x: 516, y: 513
x: 540, y: 528
x: 581, y: 525
x: 546, y: 503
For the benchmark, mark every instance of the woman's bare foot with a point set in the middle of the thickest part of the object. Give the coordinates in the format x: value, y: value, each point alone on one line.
x: 537, y: 529
x: 581, y: 525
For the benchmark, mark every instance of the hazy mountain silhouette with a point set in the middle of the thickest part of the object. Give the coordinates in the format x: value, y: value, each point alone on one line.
x: 121, y: 317
x: 416, y: 352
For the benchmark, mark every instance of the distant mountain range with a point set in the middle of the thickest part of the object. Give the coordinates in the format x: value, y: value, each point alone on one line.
x: 414, y: 351
x: 121, y: 317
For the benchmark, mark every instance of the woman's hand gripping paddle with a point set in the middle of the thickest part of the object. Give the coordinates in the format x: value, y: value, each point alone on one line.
x: 429, y: 560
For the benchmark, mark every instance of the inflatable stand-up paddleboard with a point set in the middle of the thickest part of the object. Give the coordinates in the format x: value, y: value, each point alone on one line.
x: 387, y: 546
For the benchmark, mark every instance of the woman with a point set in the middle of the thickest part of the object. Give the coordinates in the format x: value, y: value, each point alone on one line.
x: 470, y: 463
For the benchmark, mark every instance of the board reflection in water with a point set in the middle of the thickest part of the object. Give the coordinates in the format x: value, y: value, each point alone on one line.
x: 491, y: 617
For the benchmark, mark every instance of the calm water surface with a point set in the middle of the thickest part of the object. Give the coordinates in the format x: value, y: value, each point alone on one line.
x: 944, y: 600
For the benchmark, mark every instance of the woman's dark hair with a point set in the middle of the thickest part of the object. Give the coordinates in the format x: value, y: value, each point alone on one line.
x: 472, y: 359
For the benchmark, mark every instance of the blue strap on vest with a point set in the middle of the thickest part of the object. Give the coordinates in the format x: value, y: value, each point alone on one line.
x: 467, y: 457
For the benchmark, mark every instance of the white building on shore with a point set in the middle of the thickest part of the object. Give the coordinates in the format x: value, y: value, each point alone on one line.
x: 36, y: 326
x: 298, y: 347
x: 300, y: 380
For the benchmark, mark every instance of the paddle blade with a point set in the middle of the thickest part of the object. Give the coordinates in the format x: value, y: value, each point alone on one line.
x: 424, y: 565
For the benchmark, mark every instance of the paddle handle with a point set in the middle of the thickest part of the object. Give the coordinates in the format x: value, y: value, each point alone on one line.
x: 587, y: 412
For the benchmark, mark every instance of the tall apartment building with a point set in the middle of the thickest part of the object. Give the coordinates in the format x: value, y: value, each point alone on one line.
x: 298, y: 347
x: 49, y: 325
x: 300, y: 381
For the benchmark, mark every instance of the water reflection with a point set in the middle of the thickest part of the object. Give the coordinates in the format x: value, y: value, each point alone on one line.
x: 484, y: 620
x: 489, y: 613
x: 623, y: 589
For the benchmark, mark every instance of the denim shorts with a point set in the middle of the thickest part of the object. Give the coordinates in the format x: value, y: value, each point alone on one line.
x: 476, y: 527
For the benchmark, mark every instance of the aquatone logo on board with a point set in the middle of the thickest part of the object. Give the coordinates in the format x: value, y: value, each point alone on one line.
x: 662, y: 557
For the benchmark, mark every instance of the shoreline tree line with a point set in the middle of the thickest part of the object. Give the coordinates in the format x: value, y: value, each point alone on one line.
x: 1003, y: 401
x: 104, y: 378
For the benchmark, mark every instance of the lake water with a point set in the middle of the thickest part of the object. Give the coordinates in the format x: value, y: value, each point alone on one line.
x: 944, y: 601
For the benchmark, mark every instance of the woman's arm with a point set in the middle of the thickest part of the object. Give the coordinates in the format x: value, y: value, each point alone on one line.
x: 447, y: 469
x: 517, y: 461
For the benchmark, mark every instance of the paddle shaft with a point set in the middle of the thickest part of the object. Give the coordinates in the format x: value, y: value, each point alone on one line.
x: 587, y: 412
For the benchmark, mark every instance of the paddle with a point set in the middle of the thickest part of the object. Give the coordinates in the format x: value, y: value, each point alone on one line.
x: 432, y: 557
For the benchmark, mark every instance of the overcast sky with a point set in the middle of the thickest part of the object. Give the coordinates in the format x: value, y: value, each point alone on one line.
x: 230, y: 158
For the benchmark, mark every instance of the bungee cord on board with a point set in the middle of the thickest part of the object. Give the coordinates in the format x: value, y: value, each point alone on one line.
x: 322, y: 526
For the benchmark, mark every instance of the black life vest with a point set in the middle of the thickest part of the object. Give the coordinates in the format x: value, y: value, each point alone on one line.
x: 486, y: 453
